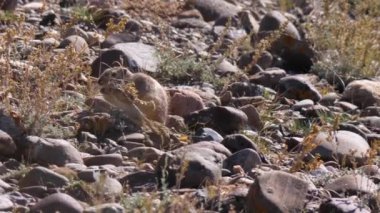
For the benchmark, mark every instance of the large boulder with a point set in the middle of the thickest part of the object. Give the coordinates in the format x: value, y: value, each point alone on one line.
x: 363, y: 93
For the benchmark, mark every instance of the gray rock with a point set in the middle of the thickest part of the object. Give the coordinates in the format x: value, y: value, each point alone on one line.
x: 105, y: 208
x: 106, y: 186
x: 352, y: 184
x: 5, y: 203
x: 206, y: 134
x: 343, y: 205
x: 183, y: 102
x: 117, y: 38
x: 344, y: 146
x: 52, y: 151
x: 371, y: 122
x: 8, y: 125
x: 113, y: 159
x: 40, y: 176
x: 254, y: 120
x: 362, y: 93
x: 268, y: 78
x: 145, y: 154
x: 214, y: 9
x: 58, y: 202
x: 246, y: 158
x: 197, y: 164
x: 274, y: 20
x: 298, y: 88
x: 135, y: 56
x: 78, y: 43
x: 190, y: 23
x: 7, y: 145
x: 225, y: 120
x: 140, y: 181
x: 237, y: 142
x: 277, y: 191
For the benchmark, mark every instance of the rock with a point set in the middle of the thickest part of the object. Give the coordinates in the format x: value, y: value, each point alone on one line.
x: 254, y: 120
x: 7, y: 145
x: 198, y: 164
x: 274, y: 20
x: 214, y: 9
x: 277, y: 191
x: 268, y: 78
x: 306, y: 103
x: 106, y: 186
x: 362, y: 93
x: 240, y: 89
x: 246, y: 158
x: 145, y: 154
x: 250, y: 24
x: 117, y: 38
x: 347, y: 147
x: 50, y: 18
x: 78, y: 43
x: 206, y: 134
x: 9, y: 5
x: 176, y: 122
x: 135, y: 56
x: 36, y: 191
x: 329, y: 99
x: 352, y: 184
x: 298, y: 88
x: 237, y: 142
x: 190, y: 23
x: 343, y: 205
x: 77, y: 31
x: 40, y: 176
x: 113, y: 159
x: 184, y: 102
x: 140, y: 181
x: 51, y: 151
x: 58, y: 202
x: 105, y: 208
x: 225, y: 67
x: 6, y: 204
x: 371, y: 122
x: 225, y: 120
x: 9, y: 125
x: 98, y: 104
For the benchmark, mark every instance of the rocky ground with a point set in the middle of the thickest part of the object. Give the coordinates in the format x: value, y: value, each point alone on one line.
x: 274, y: 106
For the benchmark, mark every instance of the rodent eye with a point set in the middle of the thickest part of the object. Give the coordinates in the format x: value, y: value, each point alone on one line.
x: 113, y: 75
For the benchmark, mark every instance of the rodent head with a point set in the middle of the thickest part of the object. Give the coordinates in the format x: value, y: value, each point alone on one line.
x: 114, y: 75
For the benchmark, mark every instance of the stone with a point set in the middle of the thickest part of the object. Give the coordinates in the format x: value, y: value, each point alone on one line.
x: 298, y: 88
x: 136, y: 56
x: 78, y: 43
x: 6, y: 204
x: 105, y: 208
x: 198, y: 164
x: 343, y: 205
x: 362, y: 93
x: 113, y: 159
x: 9, y: 125
x: 225, y: 120
x: 190, y: 23
x: 145, y: 154
x: 268, y: 78
x: 106, y: 186
x: 40, y: 176
x: 213, y: 9
x: 117, y: 38
x: 352, y: 184
x: 140, y: 181
x: 51, y: 151
x: 237, y: 142
x: 183, y: 102
x: 277, y: 191
x: 206, y: 134
x: 254, y: 120
x: 7, y: 145
x: 246, y: 158
x: 346, y: 147
x: 58, y: 202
